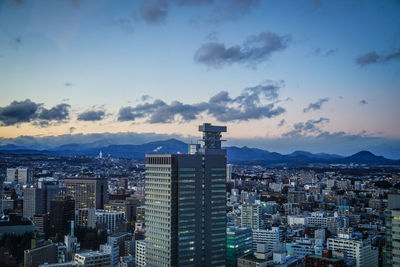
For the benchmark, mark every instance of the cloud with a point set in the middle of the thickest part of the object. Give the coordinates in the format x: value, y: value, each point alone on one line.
x: 316, y: 105
x: 154, y: 11
x: 18, y: 112
x: 373, y: 58
x: 255, y: 49
x: 233, y: 9
x: 281, y: 123
x: 59, y: 112
x: 146, y: 97
x: 28, y: 111
x: 68, y: 84
x: 327, y: 53
x: 253, y: 103
x: 72, y: 129
x: 91, y: 115
x: 363, y: 102
x: 306, y: 128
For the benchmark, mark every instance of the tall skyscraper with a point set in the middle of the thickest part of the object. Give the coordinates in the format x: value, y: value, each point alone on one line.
x: 88, y: 192
x: 186, y: 205
x: 33, y: 202
x: 19, y: 175
x: 50, y: 188
x: 391, y: 251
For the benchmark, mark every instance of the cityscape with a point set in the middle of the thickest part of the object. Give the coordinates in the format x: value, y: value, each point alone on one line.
x: 237, y: 133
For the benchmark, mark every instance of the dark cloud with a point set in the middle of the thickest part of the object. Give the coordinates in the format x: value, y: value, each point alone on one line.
x: 72, y: 129
x: 255, y: 49
x: 253, y: 103
x: 91, y: 115
x: 306, y: 128
x: 68, y: 84
x: 18, y: 112
x: 281, y: 123
x: 154, y: 11
x: 373, y: 57
x: 59, y: 112
x: 28, y: 111
x: 316, y: 105
x: 363, y: 102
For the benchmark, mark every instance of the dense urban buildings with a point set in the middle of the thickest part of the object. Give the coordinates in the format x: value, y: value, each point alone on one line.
x: 177, y: 209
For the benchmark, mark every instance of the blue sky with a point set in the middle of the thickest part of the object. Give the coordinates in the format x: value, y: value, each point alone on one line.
x: 322, y: 76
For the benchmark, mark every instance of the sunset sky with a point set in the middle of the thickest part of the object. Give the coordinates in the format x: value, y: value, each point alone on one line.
x: 315, y: 75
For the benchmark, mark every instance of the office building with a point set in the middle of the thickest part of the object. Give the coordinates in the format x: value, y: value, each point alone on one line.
x: 113, y: 250
x: 229, y: 172
x: 93, y: 259
x: 186, y: 205
x: 140, y: 214
x: 61, y: 214
x: 120, y: 239
x: 49, y: 188
x: 238, y: 244
x: 122, y: 206
x: 391, y: 252
x: 269, y: 237
x: 87, y: 192
x: 33, y: 202
x: 86, y: 218
x: 251, y: 216
x: 359, y: 250
x: 111, y: 221
x: 19, y: 175
x: 39, y: 255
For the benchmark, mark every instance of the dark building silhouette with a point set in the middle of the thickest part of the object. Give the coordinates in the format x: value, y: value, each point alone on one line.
x: 62, y: 212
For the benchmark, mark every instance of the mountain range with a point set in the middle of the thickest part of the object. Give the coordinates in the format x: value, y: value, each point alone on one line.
x: 235, y: 154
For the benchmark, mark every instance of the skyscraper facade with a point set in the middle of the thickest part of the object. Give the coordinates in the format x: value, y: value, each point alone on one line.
x: 185, y: 205
x: 87, y: 192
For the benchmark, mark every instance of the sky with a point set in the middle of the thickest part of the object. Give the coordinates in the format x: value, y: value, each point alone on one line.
x: 314, y: 75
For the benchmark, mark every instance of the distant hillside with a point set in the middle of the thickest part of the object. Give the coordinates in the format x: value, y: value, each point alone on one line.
x: 235, y: 154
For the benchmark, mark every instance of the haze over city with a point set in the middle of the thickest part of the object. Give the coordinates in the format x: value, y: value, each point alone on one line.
x: 320, y: 76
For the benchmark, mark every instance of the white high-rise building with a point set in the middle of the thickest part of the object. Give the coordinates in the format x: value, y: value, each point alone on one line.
x: 229, y: 172
x: 270, y: 237
x: 19, y: 175
x: 110, y: 219
x: 359, y: 250
x: 140, y: 253
x: 113, y: 250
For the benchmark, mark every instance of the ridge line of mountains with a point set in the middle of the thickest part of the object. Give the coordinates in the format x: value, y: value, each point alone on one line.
x: 235, y: 154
